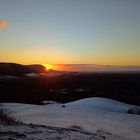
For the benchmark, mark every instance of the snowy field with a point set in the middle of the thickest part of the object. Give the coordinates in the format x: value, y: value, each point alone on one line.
x: 92, y: 115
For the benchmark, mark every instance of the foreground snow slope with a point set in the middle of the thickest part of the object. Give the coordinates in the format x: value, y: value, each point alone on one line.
x: 92, y: 114
x: 40, y: 132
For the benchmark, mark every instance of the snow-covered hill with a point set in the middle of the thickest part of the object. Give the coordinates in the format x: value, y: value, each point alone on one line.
x: 102, y: 104
x: 92, y: 114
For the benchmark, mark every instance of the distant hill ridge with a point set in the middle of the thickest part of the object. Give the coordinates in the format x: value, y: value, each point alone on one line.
x: 18, y: 69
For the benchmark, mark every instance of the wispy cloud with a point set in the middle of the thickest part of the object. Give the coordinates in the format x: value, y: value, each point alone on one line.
x: 3, y: 24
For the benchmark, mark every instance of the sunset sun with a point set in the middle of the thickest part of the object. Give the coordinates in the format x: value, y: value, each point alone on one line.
x: 49, y: 66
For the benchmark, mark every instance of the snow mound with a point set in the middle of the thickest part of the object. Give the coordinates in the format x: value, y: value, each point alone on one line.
x: 102, y: 104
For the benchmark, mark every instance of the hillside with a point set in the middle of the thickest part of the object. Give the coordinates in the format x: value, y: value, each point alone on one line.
x: 18, y: 69
x: 94, y: 115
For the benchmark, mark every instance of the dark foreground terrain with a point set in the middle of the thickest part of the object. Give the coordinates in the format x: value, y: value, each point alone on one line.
x: 124, y: 87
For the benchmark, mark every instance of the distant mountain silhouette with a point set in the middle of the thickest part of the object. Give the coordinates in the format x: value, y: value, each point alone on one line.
x: 18, y: 69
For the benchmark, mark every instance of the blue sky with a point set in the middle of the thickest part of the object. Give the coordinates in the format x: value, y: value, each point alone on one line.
x: 70, y: 31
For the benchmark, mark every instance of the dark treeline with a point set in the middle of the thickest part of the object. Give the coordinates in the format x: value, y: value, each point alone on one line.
x: 71, y: 87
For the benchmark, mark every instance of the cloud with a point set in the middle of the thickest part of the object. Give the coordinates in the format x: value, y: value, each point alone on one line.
x: 3, y: 24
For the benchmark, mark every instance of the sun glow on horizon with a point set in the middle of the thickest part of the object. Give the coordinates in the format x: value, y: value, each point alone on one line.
x: 49, y: 66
